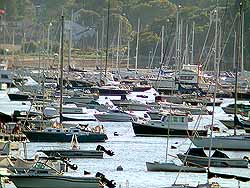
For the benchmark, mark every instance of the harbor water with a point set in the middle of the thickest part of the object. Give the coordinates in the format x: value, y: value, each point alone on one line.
x: 132, y: 152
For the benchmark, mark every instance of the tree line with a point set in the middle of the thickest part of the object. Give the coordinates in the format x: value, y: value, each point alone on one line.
x: 153, y: 14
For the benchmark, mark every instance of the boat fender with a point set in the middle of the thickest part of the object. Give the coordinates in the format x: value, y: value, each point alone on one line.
x: 104, y: 180
x: 97, y: 129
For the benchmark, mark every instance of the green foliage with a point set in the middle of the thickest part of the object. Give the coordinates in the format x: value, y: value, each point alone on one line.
x: 153, y: 15
x: 148, y: 41
x: 29, y: 47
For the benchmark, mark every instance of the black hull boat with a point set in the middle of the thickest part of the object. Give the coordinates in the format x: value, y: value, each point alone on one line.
x: 145, y: 130
x: 242, y: 96
x: 112, y: 91
x: 197, y: 102
x: 65, y: 118
x: 18, y: 97
x: 64, y: 135
x: 241, y: 108
x: 73, y: 153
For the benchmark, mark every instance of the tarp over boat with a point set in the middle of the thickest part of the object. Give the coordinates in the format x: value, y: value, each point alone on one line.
x: 196, y: 152
x: 219, y: 154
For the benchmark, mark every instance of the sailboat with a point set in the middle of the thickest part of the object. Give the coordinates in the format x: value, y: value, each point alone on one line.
x: 232, y: 142
x: 171, y: 166
x: 30, y: 179
x: 59, y: 134
x: 197, y: 156
x: 76, y: 152
x: 210, y: 141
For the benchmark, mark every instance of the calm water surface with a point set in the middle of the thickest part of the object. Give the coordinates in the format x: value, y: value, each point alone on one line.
x: 132, y: 153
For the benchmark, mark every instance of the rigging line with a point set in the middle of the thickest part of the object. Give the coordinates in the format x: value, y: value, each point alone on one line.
x: 207, y: 60
x: 168, y: 58
x: 203, y: 48
x: 193, y: 136
x: 185, y: 50
x: 226, y: 42
x: 224, y: 30
x: 152, y: 59
x: 165, y: 52
x: 107, y: 40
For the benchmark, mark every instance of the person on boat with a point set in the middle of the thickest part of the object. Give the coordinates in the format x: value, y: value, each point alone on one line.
x: 74, y: 143
x: 75, y: 146
x: 3, y: 127
x: 16, y: 129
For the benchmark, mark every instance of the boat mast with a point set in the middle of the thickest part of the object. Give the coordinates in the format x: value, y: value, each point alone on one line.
x: 137, y: 46
x: 102, y: 45
x: 234, y: 56
x: 61, y: 69
x: 107, y: 41
x: 70, y: 40
x: 192, y: 54
x: 236, y: 71
x: 167, y: 140
x: 242, y: 41
x: 186, y: 50
x: 128, y: 54
x: 177, y: 38
x: 118, y: 46
x: 180, y: 44
x: 97, y: 48
x: 216, y: 70
x: 162, y: 43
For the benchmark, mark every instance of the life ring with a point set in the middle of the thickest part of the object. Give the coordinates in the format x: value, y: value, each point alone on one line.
x: 97, y: 129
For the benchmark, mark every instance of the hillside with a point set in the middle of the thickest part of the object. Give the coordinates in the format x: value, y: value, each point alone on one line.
x: 31, y: 20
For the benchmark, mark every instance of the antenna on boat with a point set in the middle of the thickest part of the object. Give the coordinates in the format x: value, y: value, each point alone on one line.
x: 61, y: 68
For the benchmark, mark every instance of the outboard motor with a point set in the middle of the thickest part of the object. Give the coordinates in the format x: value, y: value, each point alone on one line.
x: 101, y: 148
x: 105, y: 181
x: 68, y: 164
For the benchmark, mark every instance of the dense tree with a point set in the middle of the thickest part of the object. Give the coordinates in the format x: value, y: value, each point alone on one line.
x: 153, y: 15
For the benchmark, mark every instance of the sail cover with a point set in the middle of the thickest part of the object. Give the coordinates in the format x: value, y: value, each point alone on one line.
x: 196, y: 152
x: 219, y: 154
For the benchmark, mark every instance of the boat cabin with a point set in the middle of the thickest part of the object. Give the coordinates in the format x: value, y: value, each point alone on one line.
x: 174, y: 118
x: 54, y: 130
